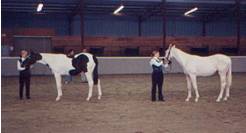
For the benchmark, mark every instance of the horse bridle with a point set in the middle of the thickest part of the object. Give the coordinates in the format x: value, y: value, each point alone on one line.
x: 168, y: 55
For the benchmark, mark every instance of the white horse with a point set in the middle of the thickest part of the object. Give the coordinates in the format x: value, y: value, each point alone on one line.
x: 60, y: 65
x: 194, y: 66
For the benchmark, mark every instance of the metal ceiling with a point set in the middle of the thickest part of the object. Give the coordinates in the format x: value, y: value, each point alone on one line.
x: 145, y: 8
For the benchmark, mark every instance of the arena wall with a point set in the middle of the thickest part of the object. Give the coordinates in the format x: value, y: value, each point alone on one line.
x: 115, y: 65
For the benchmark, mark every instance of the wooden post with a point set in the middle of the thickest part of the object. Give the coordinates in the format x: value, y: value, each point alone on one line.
x: 238, y: 26
x: 163, y: 10
x: 204, y: 28
x: 82, y: 23
x: 70, y: 20
x: 139, y: 26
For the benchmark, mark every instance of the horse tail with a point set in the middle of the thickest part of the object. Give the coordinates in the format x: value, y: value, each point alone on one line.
x: 95, y: 71
x: 229, y: 74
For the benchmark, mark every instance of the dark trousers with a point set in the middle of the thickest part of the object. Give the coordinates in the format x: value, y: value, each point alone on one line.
x: 157, y: 81
x: 24, y: 81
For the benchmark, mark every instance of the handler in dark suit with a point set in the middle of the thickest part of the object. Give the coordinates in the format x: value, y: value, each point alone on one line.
x: 24, y: 75
x: 157, y: 76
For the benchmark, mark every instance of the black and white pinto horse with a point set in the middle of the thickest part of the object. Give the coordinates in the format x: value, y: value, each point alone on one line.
x: 60, y: 65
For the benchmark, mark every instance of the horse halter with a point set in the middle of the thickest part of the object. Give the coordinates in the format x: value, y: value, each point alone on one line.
x: 168, y: 55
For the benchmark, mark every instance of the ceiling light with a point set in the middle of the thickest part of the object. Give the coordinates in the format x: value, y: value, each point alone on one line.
x: 118, y: 9
x: 40, y: 7
x: 190, y: 11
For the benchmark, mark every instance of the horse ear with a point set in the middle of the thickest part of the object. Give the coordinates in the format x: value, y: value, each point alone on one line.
x: 170, y: 45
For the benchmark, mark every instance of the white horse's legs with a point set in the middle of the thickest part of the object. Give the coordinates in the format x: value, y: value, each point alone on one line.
x: 58, y: 86
x: 189, y: 88
x: 90, y: 82
x: 228, y: 85
x: 227, y: 92
x: 194, y: 85
x: 222, y: 85
x: 99, y: 89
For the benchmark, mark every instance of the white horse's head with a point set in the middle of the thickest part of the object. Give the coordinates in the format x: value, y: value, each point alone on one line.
x: 169, y: 53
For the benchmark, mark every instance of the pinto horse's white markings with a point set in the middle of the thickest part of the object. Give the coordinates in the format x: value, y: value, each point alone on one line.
x: 194, y: 66
x: 60, y: 65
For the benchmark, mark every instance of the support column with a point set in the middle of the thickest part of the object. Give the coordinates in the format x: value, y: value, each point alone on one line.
x: 70, y: 21
x: 163, y: 10
x: 238, y: 26
x: 204, y: 32
x: 81, y: 10
x: 139, y: 26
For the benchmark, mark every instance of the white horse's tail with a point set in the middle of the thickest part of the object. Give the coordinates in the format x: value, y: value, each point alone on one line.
x: 229, y: 75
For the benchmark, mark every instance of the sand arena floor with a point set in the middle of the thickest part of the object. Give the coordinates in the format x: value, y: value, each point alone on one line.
x: 124, y: 108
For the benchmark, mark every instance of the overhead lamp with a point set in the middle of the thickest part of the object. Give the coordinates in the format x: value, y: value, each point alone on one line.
x: 118, y: 9
x: 40, y: 7
x: 190, y: 11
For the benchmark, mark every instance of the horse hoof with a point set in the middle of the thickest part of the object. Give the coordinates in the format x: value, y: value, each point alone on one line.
x: 196, y: 100
x: 99, y: 97
x: 187, y: 99
x: 225, y: 99
x: 58, y: 99
x: 87, y: 99
x: 218, y: 100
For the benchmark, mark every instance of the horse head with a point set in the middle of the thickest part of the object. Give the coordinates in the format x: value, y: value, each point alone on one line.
x: 168, y: 53
x: 31, y: 59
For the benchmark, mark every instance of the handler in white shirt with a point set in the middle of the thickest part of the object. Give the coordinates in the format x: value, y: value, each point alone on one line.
x: 24, y: 75
x: 157, y: 76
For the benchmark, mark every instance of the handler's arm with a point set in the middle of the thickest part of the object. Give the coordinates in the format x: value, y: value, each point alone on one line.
x: 19, y: 68
x: 154, y: 62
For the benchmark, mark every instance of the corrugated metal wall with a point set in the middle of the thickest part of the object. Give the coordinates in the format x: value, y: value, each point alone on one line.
x: 57, y: 22
x: 128, y: 26
x: 109, y: 25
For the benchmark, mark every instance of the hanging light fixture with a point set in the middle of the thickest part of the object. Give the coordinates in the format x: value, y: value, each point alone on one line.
x: 118, y: 9
x: 190, y: 11
x: 40, y: 7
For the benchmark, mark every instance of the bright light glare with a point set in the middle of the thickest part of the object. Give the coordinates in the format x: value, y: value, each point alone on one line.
x: 190, y: 11
x: 40, y: 7
x: 118, y: 9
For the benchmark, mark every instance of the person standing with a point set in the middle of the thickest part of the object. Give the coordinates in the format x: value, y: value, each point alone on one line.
x: 24, y: 75
x: 157, y: 76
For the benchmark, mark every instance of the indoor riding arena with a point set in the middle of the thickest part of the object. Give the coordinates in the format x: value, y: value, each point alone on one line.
x: 53, y: 51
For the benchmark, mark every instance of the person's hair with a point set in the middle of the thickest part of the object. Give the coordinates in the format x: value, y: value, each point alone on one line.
x: 23, y: 50
x: 154, y: 52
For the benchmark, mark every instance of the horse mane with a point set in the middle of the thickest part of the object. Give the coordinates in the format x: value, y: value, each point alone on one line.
x: 185, y: 53
x: 181, y: 51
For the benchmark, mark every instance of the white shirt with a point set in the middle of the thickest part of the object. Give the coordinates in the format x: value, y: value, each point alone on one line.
x: 19, y: 68
x: 155, y: 61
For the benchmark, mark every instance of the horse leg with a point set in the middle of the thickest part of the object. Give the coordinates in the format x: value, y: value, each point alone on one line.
x: 58, y: 86
x: 222, y: 85
x: 194, y: 85
x: 99, y: 89
x: 90, y: 82
x: 228, y: 85
x: 189, y: 88
x: 227, y: 95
